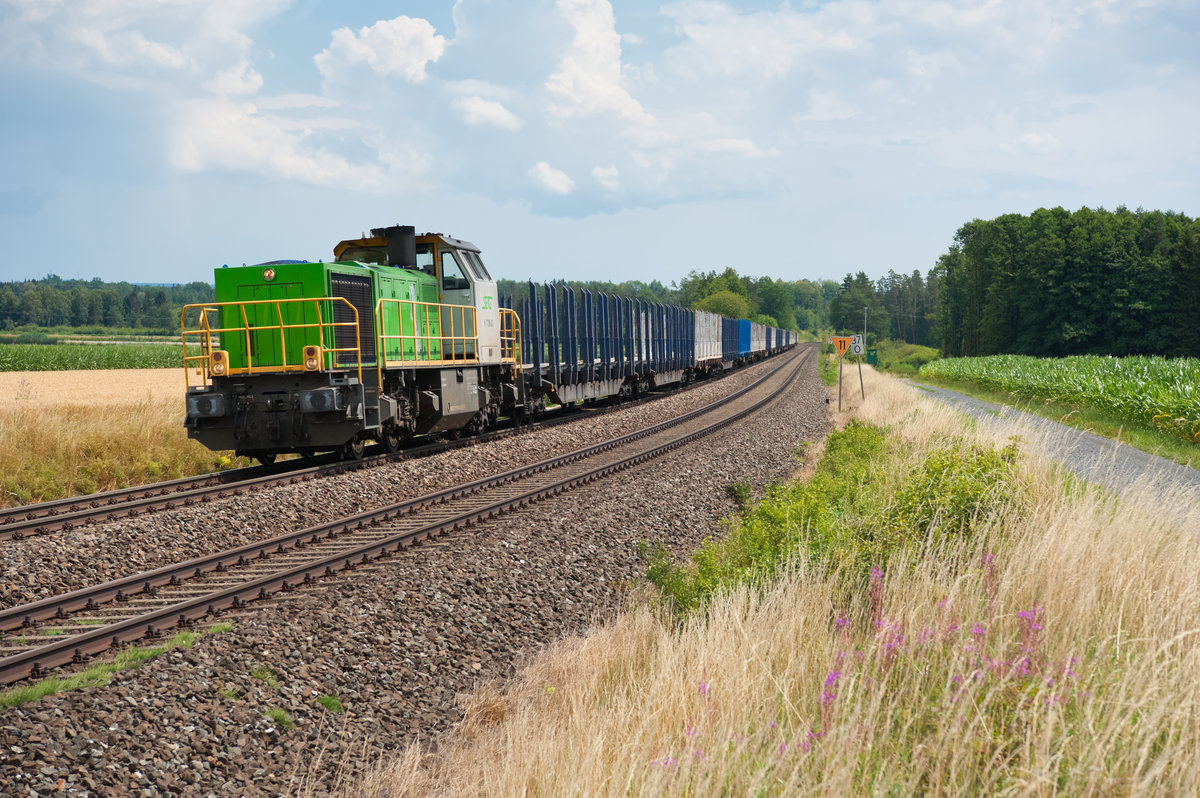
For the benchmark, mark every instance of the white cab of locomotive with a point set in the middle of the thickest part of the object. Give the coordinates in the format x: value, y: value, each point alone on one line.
x: 464, y: 280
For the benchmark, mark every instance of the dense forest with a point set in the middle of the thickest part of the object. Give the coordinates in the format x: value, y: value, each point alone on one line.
x: 1060, y: 283
x: 54, y: 302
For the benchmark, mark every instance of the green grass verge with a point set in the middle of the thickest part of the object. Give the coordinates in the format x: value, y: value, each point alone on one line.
x: 848, y: 518
x: 1144, y: 436
x: 101, y: 673
x: 899, y: 357
x: 829, y: 369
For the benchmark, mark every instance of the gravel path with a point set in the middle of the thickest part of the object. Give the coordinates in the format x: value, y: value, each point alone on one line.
x: 1116, y: 466
x: 399, y: 641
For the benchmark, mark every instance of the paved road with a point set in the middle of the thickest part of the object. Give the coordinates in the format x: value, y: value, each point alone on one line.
x: 1090, y: 457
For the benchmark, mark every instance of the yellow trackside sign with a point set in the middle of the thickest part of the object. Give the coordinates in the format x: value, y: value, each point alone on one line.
x: 842, y: 343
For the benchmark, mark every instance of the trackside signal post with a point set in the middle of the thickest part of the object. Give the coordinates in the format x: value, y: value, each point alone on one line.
x: 844, y: 343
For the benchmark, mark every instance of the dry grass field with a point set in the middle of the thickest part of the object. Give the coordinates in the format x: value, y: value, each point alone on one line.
x: 66, y: 433
x: 1055, y: 652
x: 49, y: 389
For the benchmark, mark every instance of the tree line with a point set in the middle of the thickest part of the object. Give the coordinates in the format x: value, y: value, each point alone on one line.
x: 1048, y: 284
x: 1051, y: 283
x: 902, y: 307
x: 53, y: 302
x: 1057, y: 283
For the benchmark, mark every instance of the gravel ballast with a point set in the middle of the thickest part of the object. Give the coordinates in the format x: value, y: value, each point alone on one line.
x: 396, y: 642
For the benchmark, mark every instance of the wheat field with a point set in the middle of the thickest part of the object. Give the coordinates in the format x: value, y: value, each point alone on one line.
x: 66, y: 433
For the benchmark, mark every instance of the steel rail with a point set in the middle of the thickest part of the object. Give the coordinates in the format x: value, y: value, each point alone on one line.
x: 42, y: 518
x: 77, y: 648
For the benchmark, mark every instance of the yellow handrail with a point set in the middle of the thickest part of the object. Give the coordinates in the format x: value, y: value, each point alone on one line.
x: 420, y: 337
x: 510, y: 336
x: 208, y: 337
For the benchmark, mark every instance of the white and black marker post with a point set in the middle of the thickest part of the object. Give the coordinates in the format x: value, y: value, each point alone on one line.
x: 856, y: 346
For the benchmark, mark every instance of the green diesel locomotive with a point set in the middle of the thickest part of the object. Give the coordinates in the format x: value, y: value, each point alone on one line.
x: 399, y: 335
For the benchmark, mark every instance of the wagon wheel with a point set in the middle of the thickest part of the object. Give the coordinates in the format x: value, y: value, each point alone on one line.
x: 353, y: 450
x: 265, y: 459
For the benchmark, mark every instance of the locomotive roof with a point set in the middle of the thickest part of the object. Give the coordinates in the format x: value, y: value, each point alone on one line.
x: 379, y: 241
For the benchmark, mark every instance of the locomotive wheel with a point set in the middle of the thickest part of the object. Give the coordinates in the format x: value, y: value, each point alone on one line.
x: 265, y: 459
x: 391, y: 440
x: 353, y: 450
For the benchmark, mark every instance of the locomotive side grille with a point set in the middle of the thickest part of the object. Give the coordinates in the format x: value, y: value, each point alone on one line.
x: 357, y: 290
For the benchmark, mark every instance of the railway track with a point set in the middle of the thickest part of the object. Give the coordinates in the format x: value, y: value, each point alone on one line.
x: 73, y: 627
x: 24, y: 521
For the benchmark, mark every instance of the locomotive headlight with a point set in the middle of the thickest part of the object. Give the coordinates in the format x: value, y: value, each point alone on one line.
x: 312, y: 358
x: 218, y: 363
x: 268, y: 275
x: 206, y: 405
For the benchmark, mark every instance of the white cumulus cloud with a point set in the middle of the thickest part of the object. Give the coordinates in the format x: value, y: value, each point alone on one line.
x: 478, y: 111
x: 401, y: 46
x: 607, y: 176
x: 589, y: 77
x: 551, y: 179
x: 224, y: 135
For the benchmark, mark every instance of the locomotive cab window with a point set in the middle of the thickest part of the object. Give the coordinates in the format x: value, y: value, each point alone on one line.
x: 473, y: 258
x: 425, y: 258
x: 453, y: 278
x: 465, y: 258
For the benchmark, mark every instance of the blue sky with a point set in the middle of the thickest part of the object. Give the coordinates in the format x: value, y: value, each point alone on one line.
x: 153, y: 140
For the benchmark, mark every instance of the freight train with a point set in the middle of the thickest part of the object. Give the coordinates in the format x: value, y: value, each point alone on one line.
x: 404, y: 335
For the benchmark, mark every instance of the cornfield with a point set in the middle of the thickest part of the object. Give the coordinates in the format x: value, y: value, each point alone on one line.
x: 1163, y: 392
x: 70, y: 357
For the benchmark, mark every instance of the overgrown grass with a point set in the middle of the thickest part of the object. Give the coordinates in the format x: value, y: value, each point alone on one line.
x: 850, y: 518
x: 331, y: 703
x: 70, y: 357
x: 938, y: 615
x: 101, y: 673
x: 54, y: 452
